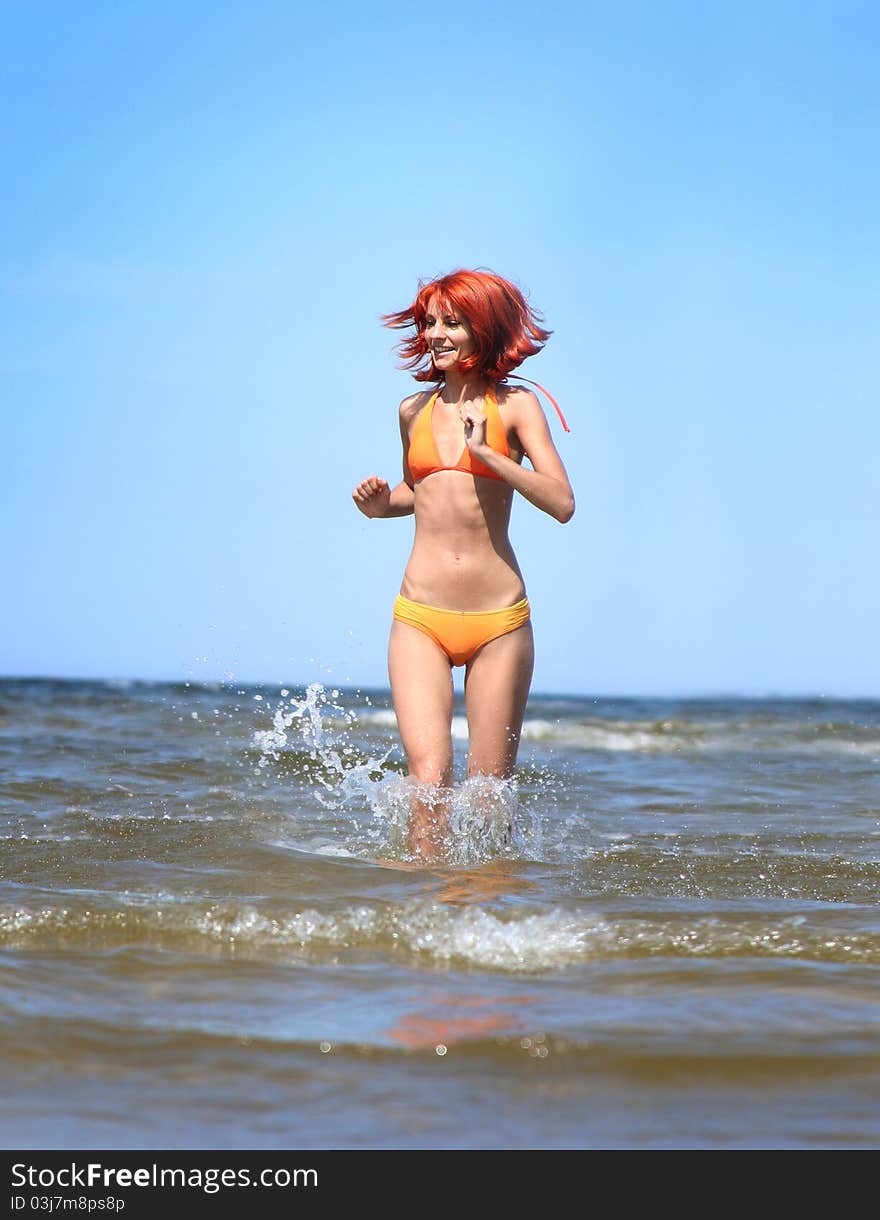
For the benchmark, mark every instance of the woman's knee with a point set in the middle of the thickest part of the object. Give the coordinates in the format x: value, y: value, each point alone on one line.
x: 494, y: 765
x: 430, y: 768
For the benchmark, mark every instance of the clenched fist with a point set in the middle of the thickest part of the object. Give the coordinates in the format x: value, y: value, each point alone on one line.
x: 372, y: 496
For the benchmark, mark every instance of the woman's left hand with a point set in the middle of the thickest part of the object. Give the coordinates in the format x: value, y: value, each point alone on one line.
x: 474, y: 418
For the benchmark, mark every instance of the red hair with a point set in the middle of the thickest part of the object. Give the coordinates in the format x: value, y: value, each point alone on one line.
x: 505, y: 328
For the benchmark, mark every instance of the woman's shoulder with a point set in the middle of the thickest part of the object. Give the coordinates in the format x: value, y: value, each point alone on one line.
x: 413, y: 403
x: 516, y: 399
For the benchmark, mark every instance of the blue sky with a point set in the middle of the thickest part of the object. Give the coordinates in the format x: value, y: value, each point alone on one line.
x: 206, y: 208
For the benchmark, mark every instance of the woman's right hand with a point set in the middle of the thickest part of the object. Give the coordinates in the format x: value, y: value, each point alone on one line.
x: 372, y: 496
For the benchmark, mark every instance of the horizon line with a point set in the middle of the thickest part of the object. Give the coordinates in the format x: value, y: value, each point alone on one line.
x: 214, y: 683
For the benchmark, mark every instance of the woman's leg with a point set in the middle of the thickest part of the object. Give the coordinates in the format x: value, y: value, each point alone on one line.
x: 421, y: 686
x: 496, y: 688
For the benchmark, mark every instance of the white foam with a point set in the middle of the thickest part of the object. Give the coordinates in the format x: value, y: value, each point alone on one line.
x: 381, y: 717
x: 460, y: 728
x: 436, y: 932
x: 532, y: 942
x: 432, y: 930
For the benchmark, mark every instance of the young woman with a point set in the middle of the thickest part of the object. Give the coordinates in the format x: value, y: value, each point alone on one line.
x: 462, y: 600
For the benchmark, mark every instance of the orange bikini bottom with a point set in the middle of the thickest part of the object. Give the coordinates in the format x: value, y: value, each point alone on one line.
x: 461, y: 633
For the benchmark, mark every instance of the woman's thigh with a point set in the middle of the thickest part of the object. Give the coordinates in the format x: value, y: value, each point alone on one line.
x: 496, y: 688
x: 421, y: 686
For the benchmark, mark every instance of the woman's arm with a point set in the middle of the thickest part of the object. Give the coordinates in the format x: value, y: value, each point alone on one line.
x: 373, y: 496
x: 375, y: 499
x: 547, y: 485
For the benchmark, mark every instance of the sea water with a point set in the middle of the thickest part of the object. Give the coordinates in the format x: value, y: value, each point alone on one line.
x: 212, y: 935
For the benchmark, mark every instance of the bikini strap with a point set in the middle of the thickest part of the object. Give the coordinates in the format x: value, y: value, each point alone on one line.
x: 547, y: 394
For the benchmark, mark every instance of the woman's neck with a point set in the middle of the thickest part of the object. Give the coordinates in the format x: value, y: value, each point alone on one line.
x: 458, y: 388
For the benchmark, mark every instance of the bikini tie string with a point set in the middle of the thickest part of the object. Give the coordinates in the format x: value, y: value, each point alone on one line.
x: 547, y: 394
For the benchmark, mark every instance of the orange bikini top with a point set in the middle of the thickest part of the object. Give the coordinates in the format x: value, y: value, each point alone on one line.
x: 424, y: 458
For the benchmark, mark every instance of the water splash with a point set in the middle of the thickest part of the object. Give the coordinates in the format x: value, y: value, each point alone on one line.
x: 324, y: 727
x: 480, y: 819
x: 307, y: 715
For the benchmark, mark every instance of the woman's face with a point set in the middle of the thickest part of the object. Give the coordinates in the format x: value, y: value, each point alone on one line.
x: 448, y: 335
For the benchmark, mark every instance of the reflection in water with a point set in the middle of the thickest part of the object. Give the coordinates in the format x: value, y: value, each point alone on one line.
x: 492, y: 880
x: 445, y: 1024
x: 459, y: 887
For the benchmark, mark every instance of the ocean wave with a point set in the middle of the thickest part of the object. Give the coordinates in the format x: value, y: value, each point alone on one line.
x: 437, y: 933
x: 676, y: 737
x: 668, y: 736
x: 427, y: 930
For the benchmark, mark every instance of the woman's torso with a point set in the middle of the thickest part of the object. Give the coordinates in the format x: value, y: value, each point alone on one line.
x: 461, y: 557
